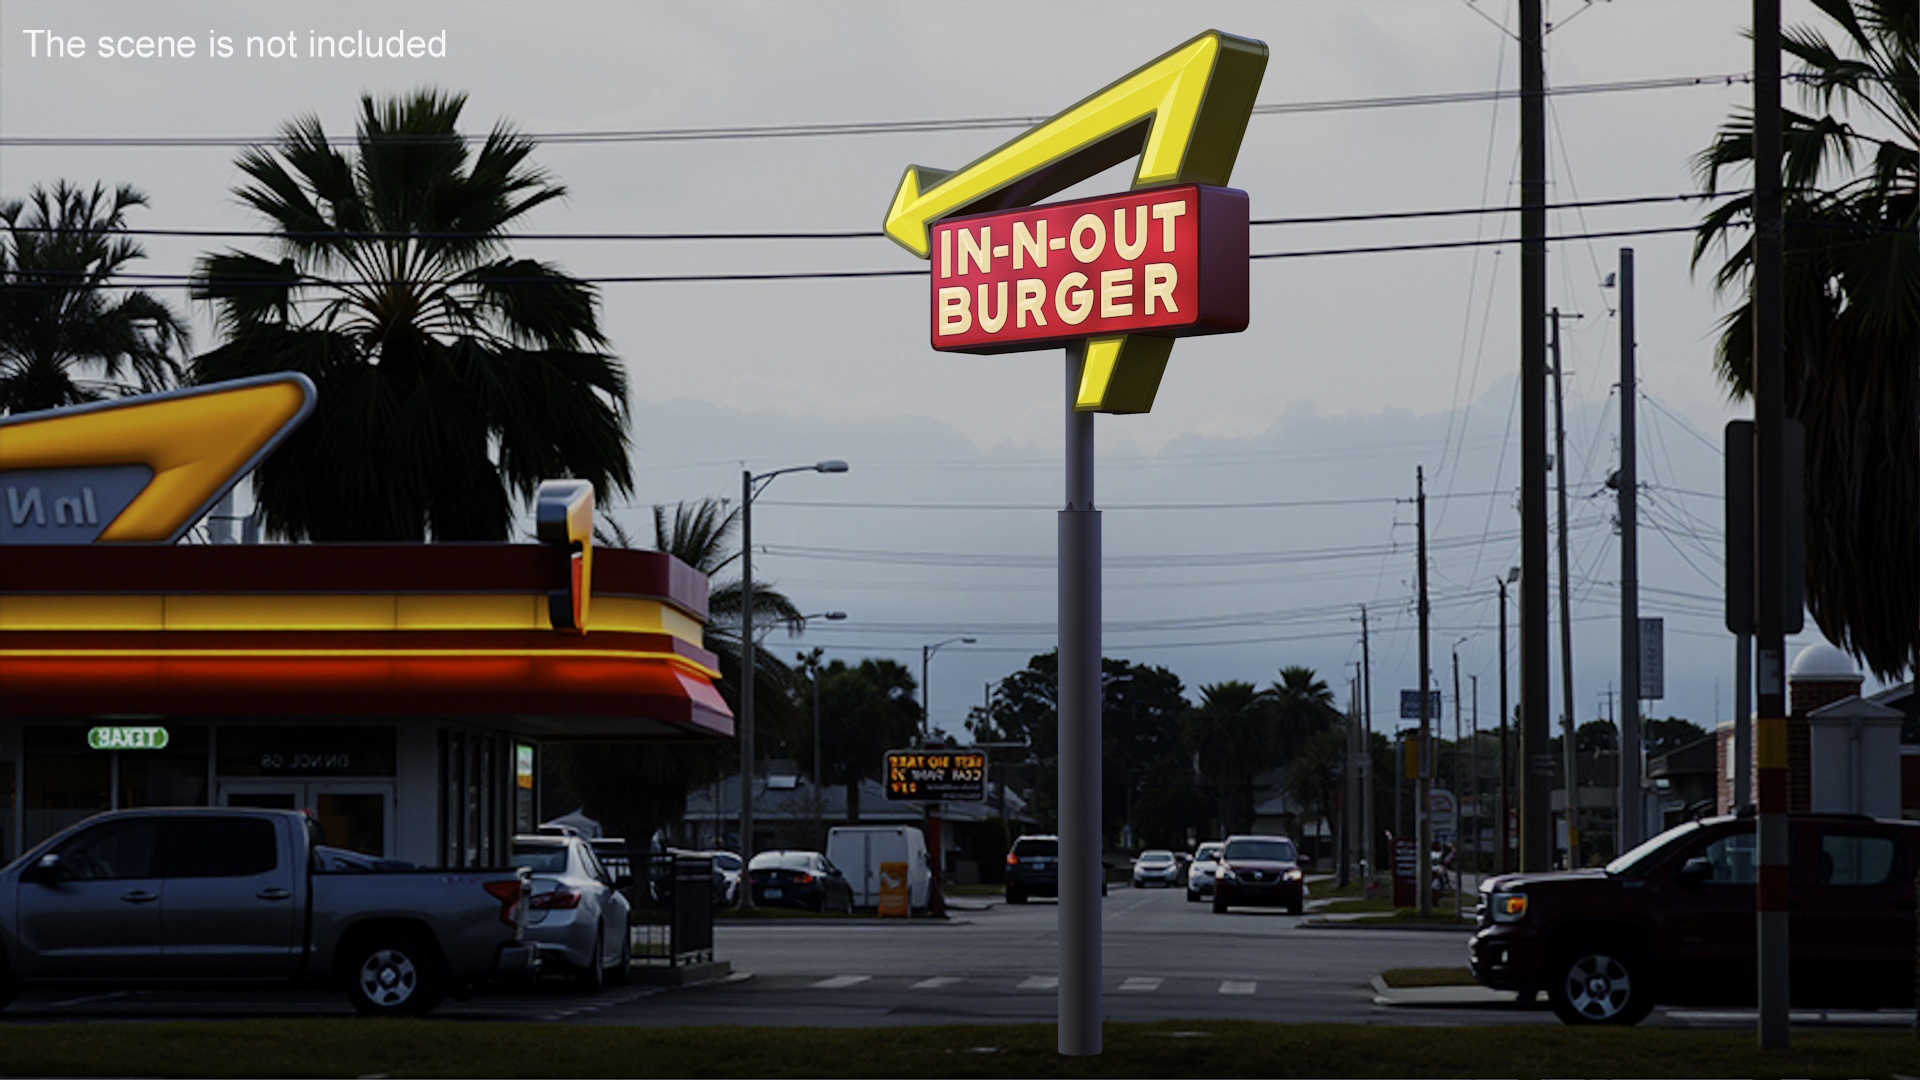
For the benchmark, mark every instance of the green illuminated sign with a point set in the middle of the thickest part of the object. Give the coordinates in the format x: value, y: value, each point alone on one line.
x: 127, y: 738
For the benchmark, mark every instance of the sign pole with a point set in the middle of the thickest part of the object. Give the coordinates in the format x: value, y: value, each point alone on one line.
x: 1079, y: 702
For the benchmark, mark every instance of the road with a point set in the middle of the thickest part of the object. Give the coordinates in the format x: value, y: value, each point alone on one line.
x: 1165, y: 959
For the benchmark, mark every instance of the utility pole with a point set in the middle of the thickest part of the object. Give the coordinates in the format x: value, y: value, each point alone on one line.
x: 1536, y: 778
x: 1629, y: 828
x: 1473, y: 770
x: 1566, y: 613
x: 1506, y: 755
x: 1366, y: 753
x: 1459, y: 796
x: 1423, y: 786
x: 1769, y: 385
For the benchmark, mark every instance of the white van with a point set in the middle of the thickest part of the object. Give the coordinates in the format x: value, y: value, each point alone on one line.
x: 858, y: 850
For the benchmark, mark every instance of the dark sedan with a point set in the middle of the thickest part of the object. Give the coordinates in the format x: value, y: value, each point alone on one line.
x: 803, y: 879
x: 1262, y: 870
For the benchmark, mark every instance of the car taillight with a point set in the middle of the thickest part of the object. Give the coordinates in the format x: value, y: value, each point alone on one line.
x: 803, y: 879
x: 508, y: 893
x: 557, y: 900
x: 1012, y: 859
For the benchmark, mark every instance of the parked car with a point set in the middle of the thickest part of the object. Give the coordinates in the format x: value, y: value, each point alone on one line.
x: 205, y: 895
x: 1200, y: 874
x: 577, y: 913
x: 1156, y: 868
x: 803, y: 879
x: 1672, y: 921
x: 727, y: 867
x: 858, y: 850
x: 1033, y: 868
x: 1258, y: 870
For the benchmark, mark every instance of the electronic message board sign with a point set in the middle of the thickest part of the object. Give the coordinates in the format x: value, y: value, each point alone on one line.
x: 937, y: 775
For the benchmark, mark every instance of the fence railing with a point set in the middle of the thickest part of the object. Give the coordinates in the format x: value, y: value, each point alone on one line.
x: 673, y: 910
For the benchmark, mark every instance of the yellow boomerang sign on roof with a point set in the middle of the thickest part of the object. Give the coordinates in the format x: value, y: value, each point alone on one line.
x: 1184, y: 114
x: 139, y: 469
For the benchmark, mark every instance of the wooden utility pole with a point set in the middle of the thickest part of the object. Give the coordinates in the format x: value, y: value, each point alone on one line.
x: 1423, y: 786
x: 1536, y: 774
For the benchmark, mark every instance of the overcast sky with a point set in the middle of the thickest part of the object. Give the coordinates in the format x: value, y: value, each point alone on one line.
x: 1266, y: 497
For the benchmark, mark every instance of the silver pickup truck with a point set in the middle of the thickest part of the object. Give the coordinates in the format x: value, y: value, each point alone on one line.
x: 203, y: 895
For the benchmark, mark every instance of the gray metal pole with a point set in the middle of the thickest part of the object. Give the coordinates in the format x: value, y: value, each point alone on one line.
x: 1367, y: 850
x: 1079, y: 702
x: 1631, y: 827
x: 1506, y: 756
x: 1569, y: 754
x: 1536, y: 755
x: 1742, y: 722
x: 745, y: 723
x: 1769, y: 385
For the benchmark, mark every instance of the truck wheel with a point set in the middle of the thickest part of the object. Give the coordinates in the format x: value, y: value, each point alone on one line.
x: 1015, y: 896
x: 593, y: 977
x: 1192, y: 897
x: 1219, y: 901
x: 393, y: 974
x: 1601, y: 982
x: 1295, y: 907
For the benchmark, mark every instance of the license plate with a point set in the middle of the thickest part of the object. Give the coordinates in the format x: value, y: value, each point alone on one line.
x: 772, y: 894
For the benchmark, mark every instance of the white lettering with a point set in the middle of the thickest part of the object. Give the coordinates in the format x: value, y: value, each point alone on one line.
x: 1115, y: 286
x: 989, y: 322
x: 1030, y: 293
x: 979, y: 252
x: 1074, y: 313
x: 946, y: 254
x: 1028, y: 244
x: 955, y: 318
x: 19, y: 507
x: 1160, y: 281
x: 1164, y: 213
x: 1139, y: 244
x: 1086, y: 253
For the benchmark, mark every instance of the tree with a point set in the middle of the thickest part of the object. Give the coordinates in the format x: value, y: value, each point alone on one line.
x: 1303, y: 708
x: 450, y: 374
x: 59, y: 311
x: 1232, y: 735
x: 865, y: 710
x: 1665, y: 736
x: 1851, y: 295
x: 1314, y: 772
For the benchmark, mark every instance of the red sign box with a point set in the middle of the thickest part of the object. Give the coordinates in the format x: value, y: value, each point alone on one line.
x: 1169, y: 261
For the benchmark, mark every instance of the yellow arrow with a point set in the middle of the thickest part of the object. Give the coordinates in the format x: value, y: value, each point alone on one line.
x: 197, y: 443
x: 1184, y: 114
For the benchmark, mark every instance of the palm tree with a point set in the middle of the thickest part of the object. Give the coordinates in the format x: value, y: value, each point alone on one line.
x: 449, y: 373
x: 1303, y: 707
x: 1231, y: 736
x: 1852, y: 311
x: 61, y: 250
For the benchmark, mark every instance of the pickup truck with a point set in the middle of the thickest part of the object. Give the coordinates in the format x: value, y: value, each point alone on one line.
x: 1672, y: 921
x: 224, y: 895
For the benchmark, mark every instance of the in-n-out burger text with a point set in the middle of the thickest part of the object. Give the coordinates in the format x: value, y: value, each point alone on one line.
x: 1170, y: 261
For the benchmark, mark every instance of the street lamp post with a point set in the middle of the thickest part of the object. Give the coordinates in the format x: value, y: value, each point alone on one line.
x: 813, y: 673
x: 937, y: 903
x: 751, y: 486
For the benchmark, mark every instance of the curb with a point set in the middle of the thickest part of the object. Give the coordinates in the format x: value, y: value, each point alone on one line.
x: 1440, y: 997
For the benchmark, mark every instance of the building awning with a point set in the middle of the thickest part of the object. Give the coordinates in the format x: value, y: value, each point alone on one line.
x: 362, y: 630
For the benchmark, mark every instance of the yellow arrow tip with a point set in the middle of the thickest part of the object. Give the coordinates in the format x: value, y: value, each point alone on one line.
x: 906, y: 222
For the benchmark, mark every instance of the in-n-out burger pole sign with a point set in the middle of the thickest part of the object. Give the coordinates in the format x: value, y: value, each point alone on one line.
x: 1167, y: 261
x: 1125, y: 274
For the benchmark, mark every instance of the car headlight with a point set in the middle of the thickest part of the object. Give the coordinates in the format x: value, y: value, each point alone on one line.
x: 1223, y: 872
x: 1293, y: 875
x: 1508, y: 907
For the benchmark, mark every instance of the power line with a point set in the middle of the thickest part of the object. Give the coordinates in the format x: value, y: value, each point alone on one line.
x: 879, y: 127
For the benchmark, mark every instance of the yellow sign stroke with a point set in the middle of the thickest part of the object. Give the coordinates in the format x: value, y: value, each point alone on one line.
x: 1184, y: 114
x: 197, y: 443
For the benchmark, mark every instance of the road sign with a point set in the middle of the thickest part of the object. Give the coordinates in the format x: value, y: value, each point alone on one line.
x: 1653, y: 659
x: 1443, y: 814
x: 936, y: 775
x: 1410, y: 704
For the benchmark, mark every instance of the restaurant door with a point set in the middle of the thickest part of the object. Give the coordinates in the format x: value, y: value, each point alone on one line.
x: 357, y: 815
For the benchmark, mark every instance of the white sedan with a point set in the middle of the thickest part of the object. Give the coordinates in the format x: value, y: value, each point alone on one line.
x: 577, y: 914
x: 1156, y: 868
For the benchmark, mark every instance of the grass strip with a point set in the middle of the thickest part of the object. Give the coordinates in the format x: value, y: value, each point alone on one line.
x: 409, y: 1048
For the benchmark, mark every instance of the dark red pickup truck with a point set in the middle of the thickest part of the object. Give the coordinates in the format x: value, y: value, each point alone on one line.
x: 1672, y: 921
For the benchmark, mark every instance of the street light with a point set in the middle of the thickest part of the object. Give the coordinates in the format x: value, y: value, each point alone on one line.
x: 750, y: 487
x: 813, y: 670
x: 926, y: 690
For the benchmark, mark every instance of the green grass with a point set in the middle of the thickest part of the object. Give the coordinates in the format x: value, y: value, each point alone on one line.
x: 347, y: 1047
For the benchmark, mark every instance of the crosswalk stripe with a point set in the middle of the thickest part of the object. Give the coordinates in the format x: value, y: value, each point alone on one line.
x: 1237, y: 986
x: 1140, y: 984
x: 1041, y: 982
x: 841, y: 982
x: 936, y: 982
